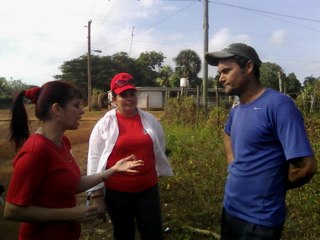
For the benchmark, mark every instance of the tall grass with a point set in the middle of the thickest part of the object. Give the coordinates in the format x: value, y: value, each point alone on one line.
x: 192, y: 198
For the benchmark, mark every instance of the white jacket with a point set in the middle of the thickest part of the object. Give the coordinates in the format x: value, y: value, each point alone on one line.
x: 104, y: 136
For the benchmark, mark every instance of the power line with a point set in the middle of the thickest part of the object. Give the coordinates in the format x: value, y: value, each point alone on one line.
x: 155, y: 24
x: 108, y: 12
x: 251, y: 9
x: 167, y: 17
x: 299, y: 25
x: 267, y: 12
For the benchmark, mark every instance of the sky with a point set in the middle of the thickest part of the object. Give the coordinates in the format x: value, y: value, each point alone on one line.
x: 38, y: 36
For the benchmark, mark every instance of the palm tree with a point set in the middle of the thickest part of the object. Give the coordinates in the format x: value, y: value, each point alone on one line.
x: 188, y: 65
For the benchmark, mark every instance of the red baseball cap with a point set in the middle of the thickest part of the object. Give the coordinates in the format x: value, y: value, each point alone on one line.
x: 121, y: 82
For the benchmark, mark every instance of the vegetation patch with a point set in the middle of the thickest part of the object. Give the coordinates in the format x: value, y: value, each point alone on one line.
x: 192, y: 198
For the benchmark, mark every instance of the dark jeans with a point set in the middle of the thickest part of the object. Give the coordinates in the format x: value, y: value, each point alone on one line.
x: 143, y: 208
x: 233, y: 228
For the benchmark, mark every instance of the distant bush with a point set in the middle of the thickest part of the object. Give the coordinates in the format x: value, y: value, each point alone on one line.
x: 192, y: 198
x: 5, y: 102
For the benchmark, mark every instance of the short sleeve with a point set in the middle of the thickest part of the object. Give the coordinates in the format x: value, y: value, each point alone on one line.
x: 29, y: 171
x: 291, y: 131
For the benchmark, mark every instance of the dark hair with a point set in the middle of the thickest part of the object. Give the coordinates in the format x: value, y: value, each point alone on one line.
x: 242, y: 61
x: 60, y: 92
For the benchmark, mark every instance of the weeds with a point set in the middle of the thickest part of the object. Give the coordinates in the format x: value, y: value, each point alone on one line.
x: 192, y: 198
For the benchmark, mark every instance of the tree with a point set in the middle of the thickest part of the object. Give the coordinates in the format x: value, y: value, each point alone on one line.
x: 102, y: 70
x: 164, y: 76
x: 9, y: 88
x: 269, y: 75
x: 151, y: 60
x: 17, y: 85
x: 188, y: 65
x: 310, y: 94
x: 76, y: 71
x: 311, y: 85
x: 4, y: 87
x: 293, y: 86
x: 311, y: 80
x: 149, y: 64
x: 174, y: 80
x: 122, y: 62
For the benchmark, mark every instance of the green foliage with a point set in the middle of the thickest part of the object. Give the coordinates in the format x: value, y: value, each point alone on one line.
x: 188, y: 65
x: 183, y: 111
x: 308, y: 100
x: 8, y: 89
x: 174, y: 80
x: 151, y: 61
x: 103, y: 68
x: 293, y: 86
x: 269, y: 75
x: 164, y: 76
x: 149, y: 65
x: 76, y: 71
x: 122, y: 62
x: 309, y: 81
x: 193, y: 196
x: 4, y: 88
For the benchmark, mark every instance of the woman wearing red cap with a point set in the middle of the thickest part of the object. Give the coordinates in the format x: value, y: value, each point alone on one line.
x: 127, y: 130
x: 46, y: 177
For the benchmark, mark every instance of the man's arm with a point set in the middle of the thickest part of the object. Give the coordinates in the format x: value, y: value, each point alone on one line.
x: 228, y: 148
x: 301, y: 170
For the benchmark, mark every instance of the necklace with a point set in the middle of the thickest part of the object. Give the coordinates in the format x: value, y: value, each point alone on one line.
x: 44, y: 133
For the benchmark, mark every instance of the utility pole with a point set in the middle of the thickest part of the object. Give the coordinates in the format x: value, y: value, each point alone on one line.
x: 280, y: 81
x: 131, y: 40
x: 89, y: 65
x: 205, y: 50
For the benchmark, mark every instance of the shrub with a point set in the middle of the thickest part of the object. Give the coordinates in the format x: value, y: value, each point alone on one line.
x: 192, y: 198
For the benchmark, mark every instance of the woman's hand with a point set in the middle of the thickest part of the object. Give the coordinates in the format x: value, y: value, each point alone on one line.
x: 102, y: 213
x: 124, y: 165
x: 128, y: 164
x: 80, y: 213
x: 85, y: 214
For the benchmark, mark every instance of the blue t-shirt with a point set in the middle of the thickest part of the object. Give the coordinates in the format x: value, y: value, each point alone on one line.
x: 265, y: 134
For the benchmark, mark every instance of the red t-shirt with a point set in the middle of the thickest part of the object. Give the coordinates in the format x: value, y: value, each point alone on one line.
x: 45, y: 175
x: 133, y: 139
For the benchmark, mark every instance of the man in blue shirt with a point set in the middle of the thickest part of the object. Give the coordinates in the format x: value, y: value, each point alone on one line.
x: 267, y: 148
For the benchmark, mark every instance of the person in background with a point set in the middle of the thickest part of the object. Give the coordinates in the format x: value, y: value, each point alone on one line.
x: 46, y: 176
x: 267, y: 148
x: 123, y: 131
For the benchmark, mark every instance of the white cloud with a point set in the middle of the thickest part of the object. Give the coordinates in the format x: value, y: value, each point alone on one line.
x: 149, y: 3
x: 37, y: 36
x: 224, y: 38
x: 309, y: 66
x: 278, y: 37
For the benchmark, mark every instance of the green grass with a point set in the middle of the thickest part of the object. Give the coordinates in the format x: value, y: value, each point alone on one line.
x: 192, y: 198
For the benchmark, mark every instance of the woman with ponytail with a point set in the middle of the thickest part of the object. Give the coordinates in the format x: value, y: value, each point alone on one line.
x: 46, y: 177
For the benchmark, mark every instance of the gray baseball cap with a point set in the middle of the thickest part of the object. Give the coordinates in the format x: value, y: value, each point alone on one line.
x: 234, y: 49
